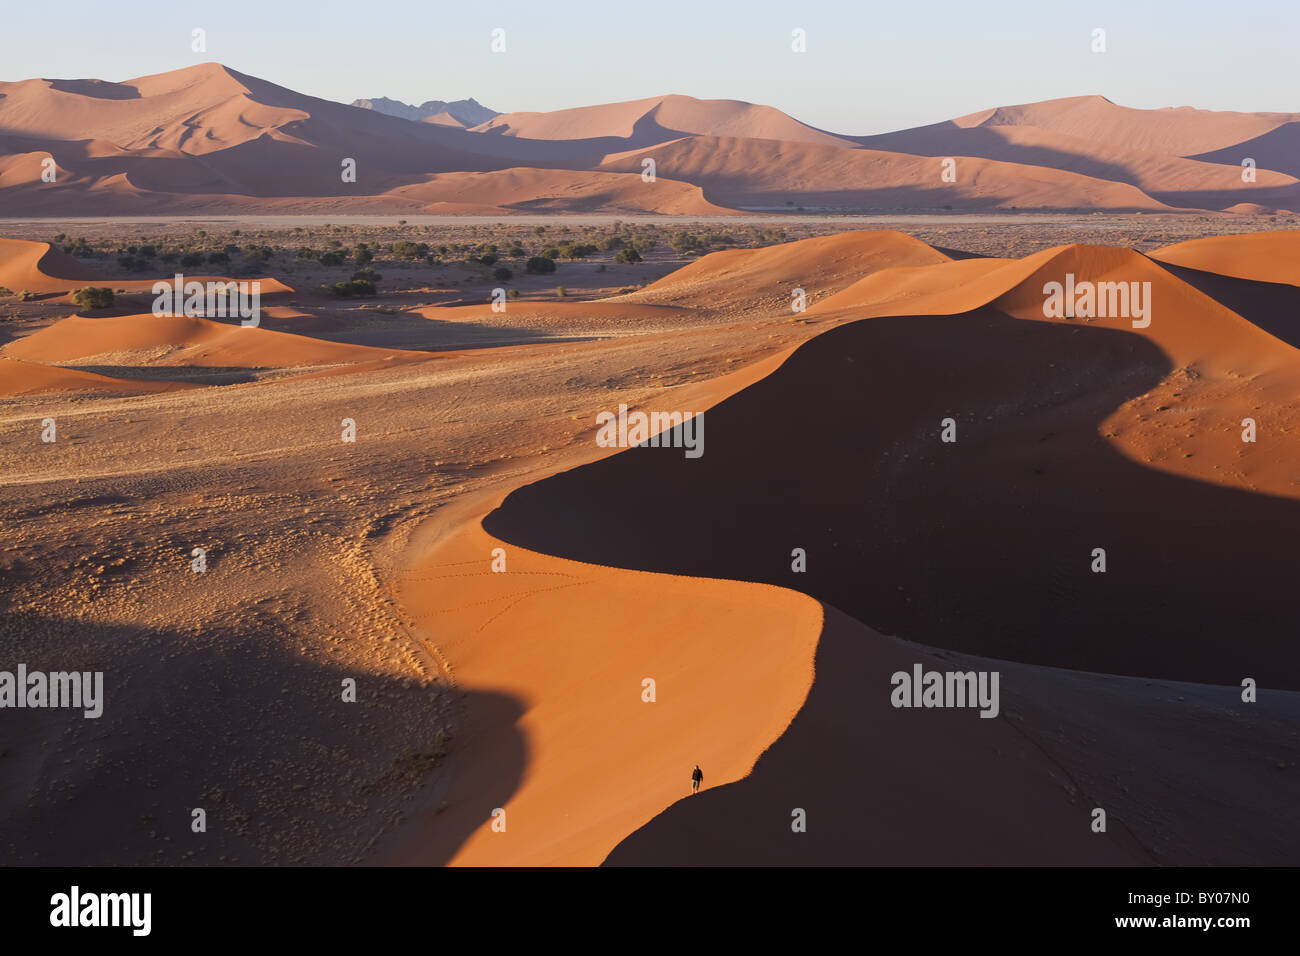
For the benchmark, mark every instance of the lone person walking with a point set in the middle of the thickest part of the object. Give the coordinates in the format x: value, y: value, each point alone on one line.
x: 697, y: 775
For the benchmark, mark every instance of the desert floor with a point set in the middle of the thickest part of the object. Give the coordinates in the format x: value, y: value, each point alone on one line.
x: 521, y: 689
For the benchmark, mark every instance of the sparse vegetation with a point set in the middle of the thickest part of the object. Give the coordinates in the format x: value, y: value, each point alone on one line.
x: 93, y: 297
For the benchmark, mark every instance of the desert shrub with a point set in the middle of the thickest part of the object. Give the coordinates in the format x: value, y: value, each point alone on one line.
x: 5, y: 292
x: 611, y: 243
x: 345, y: 290
x: 539, y: 265
x: 684, y: 242
x: 409, y: 250
x: 501, y: 274
x: 133, y: 263
x: 192, y: 259
x: 331, y: 259
x: 512, y: 294
x: 551, y: 253
x: 219, y: 258
x: 306, y: 252
x: 574, y: 250
x: 363, y: 255
x: 487, y: 259
x: 93, y: 297
x: 366, y: 275
x: 628, y: 254
x: 26, y: 296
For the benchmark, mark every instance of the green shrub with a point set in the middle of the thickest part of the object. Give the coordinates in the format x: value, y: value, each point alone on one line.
x: 93, y: 297
x: 346, y: 290
x: 539, y: 265
x: 628, y: 254
x: 502, y: 274
x: 684, y: 242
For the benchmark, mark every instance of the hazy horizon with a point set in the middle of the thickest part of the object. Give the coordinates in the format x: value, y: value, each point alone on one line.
x: 854, y: 78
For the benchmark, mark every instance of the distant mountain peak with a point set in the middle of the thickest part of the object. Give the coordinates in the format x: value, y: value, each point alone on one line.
x: 465, y: 113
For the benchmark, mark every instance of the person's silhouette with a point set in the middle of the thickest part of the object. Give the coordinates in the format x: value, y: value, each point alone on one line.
x: 697, y: 775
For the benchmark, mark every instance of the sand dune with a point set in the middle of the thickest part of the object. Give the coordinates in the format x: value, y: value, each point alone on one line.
x: 1181, y: 131
x: 207, y: 136
x: 40, y: 267
x: 764, y: 173
x: 553, y: 190
x: 768, y: 276
x: 19, y: 378
x: 834, y: 448
x: 1259, y: 256
x: 188, y: 341
x: 647, y: 122
x: 1168, y: 178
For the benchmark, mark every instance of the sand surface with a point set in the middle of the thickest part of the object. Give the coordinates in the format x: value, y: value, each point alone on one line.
x: 522, y: 689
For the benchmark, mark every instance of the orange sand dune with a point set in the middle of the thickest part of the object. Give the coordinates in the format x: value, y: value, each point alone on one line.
x: 209, y: 137
x: 833, y: 448
x: 554, y: 190
x: 820, y: 266
x: 571, y: 752
x: 1168, y: 178
x: 183, y: 340
x: 1181, y: 131
x: 1261, y: 256
x: 39, y: 267
x: 934, y: 788
x: 653, y: 120
x: 31, y: 378
x: 766, y: 173
x: 572, y: 644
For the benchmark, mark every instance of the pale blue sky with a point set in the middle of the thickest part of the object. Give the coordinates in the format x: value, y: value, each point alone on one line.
x: 870, y: 66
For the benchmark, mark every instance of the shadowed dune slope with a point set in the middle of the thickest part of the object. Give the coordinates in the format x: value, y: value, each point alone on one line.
x: 983, y: 545
x: 769, y: 173
x: 905, y: 787
x: 1072, y: 435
